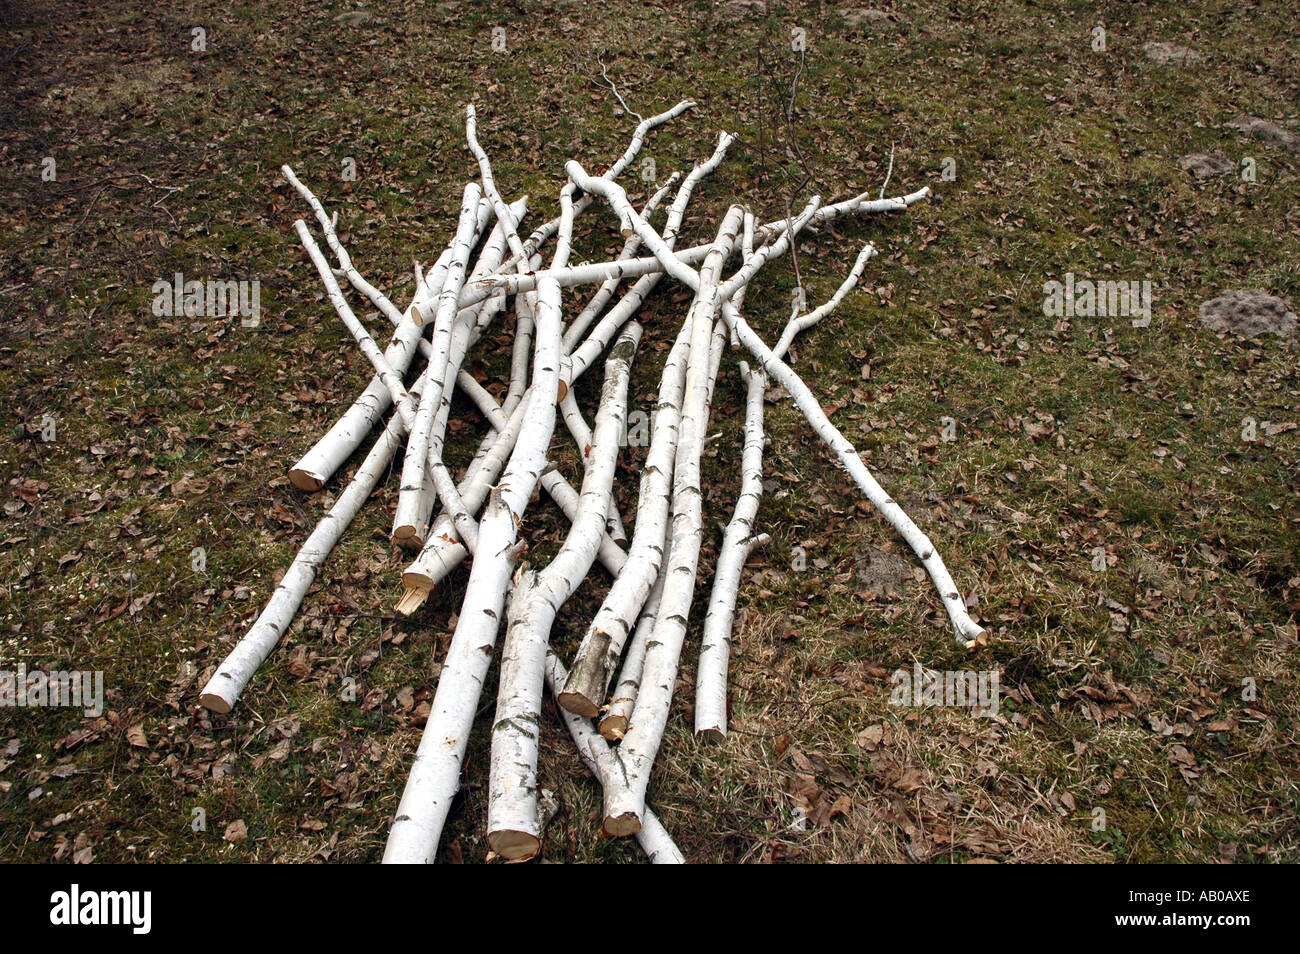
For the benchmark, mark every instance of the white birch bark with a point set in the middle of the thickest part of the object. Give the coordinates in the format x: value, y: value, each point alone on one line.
x: 316, y: 467
x: 574, y: 331
x: 803, y: 322
x: 967, y: 632
x: 377, y: 298
x: 513, y: 829
x: 611, y: 555
x: 738, y: 542
x: 636, y: 754
x: 443, y: 551
x: 739, y: 539
x: 595, y: 754
x: 392, y: 381
x: 634, y: 147
x: 521, y: 351
x: 435, y: 773
x: 594, y: 272
x: 603, y: 643
x: 582, y: 436
x: 414, y: 491
x: 613, y: 724
x: 232, y: 676
x: 390, y: 378
x: 470, y: 324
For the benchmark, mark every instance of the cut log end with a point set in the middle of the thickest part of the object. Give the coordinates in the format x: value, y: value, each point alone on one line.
x: 306, y: 480
x: 620, y: 826
x: 215, y: 703
x: 613, y: 727
x: 562, y: 391
x: 578, y: 703
x: 514, y: 846
x: 714, y: 734
x: 407, y: 537
x: 413, y: 598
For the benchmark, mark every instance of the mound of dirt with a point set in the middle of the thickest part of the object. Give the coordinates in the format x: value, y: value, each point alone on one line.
x: 1171, y: 54
x: 1249, y: 313
x: 882, y: 574
x: 1203, y: 165
x: 870, y: 20
x: 1266, y: 131
x: 740, y: 9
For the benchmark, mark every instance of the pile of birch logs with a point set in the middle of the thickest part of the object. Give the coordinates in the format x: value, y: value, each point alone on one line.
x: 616, y: 693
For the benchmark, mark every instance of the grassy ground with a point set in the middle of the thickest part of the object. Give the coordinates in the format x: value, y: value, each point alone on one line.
x: 1126, y: 688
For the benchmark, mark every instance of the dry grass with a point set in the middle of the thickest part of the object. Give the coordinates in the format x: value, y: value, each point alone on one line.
x: 1122, y: 688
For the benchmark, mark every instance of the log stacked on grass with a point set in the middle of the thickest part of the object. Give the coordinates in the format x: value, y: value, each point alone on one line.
x: 616, y: 699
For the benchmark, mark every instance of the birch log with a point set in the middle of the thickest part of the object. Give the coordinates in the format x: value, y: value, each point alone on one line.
x: 739, y: 539
x: 613, y: 724
x: 377, y: 298
x: 406, y: 408
x: 316, y: 467
x: 602, y: 644
x: 605, y: 639
x: 595, y: 754
x: 594, y: 272
x: 231, y: 678
x: 805, y: 321
x: 443, y: 551
x: 610, y: 553
x: 513, y: 829
x: 738, y: 542
x: 408, y: 528
x: 967, y: 632
x: 624, y: 808
x: 387, y: 374
x: 435, y: 773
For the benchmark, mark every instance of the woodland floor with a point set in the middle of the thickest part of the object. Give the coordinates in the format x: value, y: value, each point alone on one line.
x: 1124, y: 689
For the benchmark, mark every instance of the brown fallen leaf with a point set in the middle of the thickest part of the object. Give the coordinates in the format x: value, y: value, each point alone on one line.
x: 870, y: 737
x: 299, y: 663
x: 912, y: 779
x: 806, y: 786
x: 136, y: 738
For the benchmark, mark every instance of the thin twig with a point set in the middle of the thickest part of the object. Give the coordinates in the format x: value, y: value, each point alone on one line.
x: 609, y: 85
